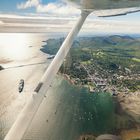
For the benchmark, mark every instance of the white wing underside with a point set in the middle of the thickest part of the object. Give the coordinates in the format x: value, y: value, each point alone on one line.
x: 106, y: 4
x: 115, y: 12
x: 105, y: 8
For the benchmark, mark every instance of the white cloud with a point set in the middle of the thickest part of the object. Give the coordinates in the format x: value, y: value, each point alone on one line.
x: 15, y: 23
x: 58, y: 9
x: 50, y: 8
x: 28, y: 4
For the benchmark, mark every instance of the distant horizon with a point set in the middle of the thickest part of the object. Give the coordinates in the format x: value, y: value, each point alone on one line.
x: 61, y: 35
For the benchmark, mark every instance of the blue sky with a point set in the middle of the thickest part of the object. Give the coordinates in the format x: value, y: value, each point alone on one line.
x: 51, y: 7
x: 10, y: 6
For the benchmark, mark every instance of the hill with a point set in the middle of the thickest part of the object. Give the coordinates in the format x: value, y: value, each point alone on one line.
x: 124, y: 46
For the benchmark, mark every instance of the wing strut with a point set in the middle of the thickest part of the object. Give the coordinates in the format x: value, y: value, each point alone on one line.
x: 24, y: 119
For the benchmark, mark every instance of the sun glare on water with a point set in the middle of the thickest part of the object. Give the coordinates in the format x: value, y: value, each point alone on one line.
x: 14, y: 46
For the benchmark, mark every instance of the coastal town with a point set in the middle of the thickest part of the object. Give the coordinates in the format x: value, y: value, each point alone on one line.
x: 104, y: 81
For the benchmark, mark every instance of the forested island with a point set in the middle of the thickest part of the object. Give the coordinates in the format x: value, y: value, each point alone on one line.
x: 108, y: 63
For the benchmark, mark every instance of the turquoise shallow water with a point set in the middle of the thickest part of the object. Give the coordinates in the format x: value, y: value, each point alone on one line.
x: 95, y: 110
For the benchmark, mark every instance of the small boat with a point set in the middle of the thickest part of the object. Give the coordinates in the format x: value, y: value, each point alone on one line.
x: 51, y: 57
x: 21, y: 86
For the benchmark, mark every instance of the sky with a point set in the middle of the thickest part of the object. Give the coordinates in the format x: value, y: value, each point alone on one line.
x: 8, y: 6
x: 58, y: 15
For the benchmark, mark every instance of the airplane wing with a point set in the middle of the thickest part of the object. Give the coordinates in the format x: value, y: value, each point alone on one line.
x: 105, y: 4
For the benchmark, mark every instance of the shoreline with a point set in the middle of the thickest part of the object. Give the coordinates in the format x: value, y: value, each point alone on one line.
x: 73, y: 82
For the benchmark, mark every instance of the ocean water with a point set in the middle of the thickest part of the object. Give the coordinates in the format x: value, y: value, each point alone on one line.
x: 20, y: 55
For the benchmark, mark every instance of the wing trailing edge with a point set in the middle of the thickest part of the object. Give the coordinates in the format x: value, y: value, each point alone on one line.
x: 114, y: 12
